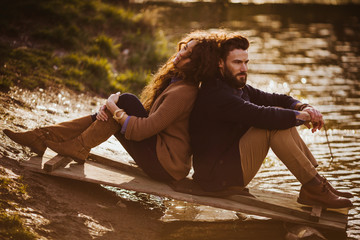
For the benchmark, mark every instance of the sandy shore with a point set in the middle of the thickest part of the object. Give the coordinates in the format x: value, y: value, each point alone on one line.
x: 57, y: 208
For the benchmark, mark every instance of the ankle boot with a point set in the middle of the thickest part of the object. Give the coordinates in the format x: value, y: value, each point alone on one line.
x: 320, y: 194
x: 79, y: 147
x: 333, y: 190
x: 33, y: 139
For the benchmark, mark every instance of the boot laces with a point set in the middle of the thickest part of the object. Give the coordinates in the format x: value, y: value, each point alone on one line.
x: 325, y: 186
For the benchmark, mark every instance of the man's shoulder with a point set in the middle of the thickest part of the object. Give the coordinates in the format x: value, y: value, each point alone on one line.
x: 217, y: 93
x: 248, y: 87
x: 215, y: 86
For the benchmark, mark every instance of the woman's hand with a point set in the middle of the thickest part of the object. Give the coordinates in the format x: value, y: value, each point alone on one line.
x: 113, y: 99
x: 101, y: 115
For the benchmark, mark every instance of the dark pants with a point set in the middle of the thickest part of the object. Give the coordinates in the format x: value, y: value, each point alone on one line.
x: 143, y: 152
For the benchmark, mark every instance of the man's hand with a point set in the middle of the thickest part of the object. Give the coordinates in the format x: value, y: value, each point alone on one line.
x: 101, y: 115
x: 316, y: 119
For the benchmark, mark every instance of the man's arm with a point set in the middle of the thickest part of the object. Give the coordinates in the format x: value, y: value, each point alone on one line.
x: 229, y: 107
x: 262, y: 98
x: 281, y: 100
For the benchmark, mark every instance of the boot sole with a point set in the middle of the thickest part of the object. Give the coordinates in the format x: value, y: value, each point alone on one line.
x: 316, y: 203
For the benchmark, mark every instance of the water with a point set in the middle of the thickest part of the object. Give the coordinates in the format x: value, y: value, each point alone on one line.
x: 311, y: 52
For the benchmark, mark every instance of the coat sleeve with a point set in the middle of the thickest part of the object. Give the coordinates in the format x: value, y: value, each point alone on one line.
x: 173, y: 107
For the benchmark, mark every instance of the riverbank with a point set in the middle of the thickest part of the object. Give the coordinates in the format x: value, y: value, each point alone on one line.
x: 45, y: 207
x: 55, y: 208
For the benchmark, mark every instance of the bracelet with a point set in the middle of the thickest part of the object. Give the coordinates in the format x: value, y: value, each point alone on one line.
x: 303, y: 106
x: 121, y: 115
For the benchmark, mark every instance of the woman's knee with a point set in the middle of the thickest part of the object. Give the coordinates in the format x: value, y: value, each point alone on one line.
x: 132, y: 105
x: 127, y: 99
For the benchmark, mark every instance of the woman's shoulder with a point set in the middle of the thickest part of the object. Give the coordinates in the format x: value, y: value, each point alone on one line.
x: 181, y: 92
x: 184, y: 86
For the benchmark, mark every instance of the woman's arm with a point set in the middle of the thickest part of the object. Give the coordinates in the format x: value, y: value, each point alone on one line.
x: 120, y: 115
x: 174, y: 105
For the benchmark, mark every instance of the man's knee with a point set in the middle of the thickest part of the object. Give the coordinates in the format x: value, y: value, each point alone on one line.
x: 258, y: 132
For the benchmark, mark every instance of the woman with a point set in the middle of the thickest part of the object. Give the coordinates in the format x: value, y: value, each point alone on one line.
x: 154, y: 134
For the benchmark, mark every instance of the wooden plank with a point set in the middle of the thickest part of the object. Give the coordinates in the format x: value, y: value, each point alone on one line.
x: 280, y: 202
x: 316, y: 213
x: 56, y: 162
x: 98, y: 173
x: 339, y: 215
x: 116, y: 164
x: 270, y: 205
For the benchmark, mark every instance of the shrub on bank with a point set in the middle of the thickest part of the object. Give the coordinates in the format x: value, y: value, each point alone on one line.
x: 11, y: 225
x: 83, y: 44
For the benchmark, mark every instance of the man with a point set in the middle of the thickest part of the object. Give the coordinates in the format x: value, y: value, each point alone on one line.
x: 233, y: 125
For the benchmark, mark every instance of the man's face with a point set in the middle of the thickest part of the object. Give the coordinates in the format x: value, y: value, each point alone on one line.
x: 235, y: 68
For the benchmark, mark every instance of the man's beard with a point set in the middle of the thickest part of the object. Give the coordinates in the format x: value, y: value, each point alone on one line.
x: 232, y: 80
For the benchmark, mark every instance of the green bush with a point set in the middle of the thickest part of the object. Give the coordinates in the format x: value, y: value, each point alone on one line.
x: 79, y: 43
x: 80, y: 71
x: 66, y: 37
x: 131, y: 81
x: 104, y: 47
x: 12, y: 227
x: 26, y: 67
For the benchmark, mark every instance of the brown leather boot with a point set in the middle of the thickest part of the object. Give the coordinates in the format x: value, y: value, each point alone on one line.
x: 320, y: 194
x: 35, y: 139
x: 79, y: 147
x: 333, y: 190
x: 67, y: 130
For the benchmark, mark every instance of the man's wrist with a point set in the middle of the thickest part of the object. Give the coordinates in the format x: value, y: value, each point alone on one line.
x: 303, y: 106
x: 304, y: 116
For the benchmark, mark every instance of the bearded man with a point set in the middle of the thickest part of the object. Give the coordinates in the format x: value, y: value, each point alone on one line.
x: 233, y: 125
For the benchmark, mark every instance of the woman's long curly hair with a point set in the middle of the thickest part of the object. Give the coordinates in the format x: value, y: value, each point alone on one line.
x: 204, y: 64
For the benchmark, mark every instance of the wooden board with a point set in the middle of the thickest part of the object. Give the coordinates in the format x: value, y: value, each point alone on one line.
x: 56, y: 162
x: 109, y: 172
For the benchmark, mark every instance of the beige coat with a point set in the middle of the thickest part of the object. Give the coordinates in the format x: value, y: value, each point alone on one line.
x: 169, y: 120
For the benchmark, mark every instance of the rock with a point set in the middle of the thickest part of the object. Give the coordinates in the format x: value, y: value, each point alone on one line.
x: 297, y: 232
x: 120, y: 204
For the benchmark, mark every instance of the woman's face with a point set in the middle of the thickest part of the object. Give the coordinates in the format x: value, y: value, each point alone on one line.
x: 183, y: 56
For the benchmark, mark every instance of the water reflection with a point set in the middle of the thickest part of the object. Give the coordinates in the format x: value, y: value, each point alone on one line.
x: 311, y: 52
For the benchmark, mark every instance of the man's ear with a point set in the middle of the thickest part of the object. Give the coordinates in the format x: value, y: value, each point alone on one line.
x: 221, y: 63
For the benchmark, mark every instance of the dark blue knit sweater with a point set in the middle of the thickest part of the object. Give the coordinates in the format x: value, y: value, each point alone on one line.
x: 219, y: 119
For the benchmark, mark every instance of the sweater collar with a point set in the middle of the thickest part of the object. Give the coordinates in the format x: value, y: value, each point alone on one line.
x: 175, y: 79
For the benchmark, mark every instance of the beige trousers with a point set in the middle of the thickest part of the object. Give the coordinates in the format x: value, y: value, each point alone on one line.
x: 286, y: 144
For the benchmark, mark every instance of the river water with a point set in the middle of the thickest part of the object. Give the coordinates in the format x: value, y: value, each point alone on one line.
x: 309, y: 51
